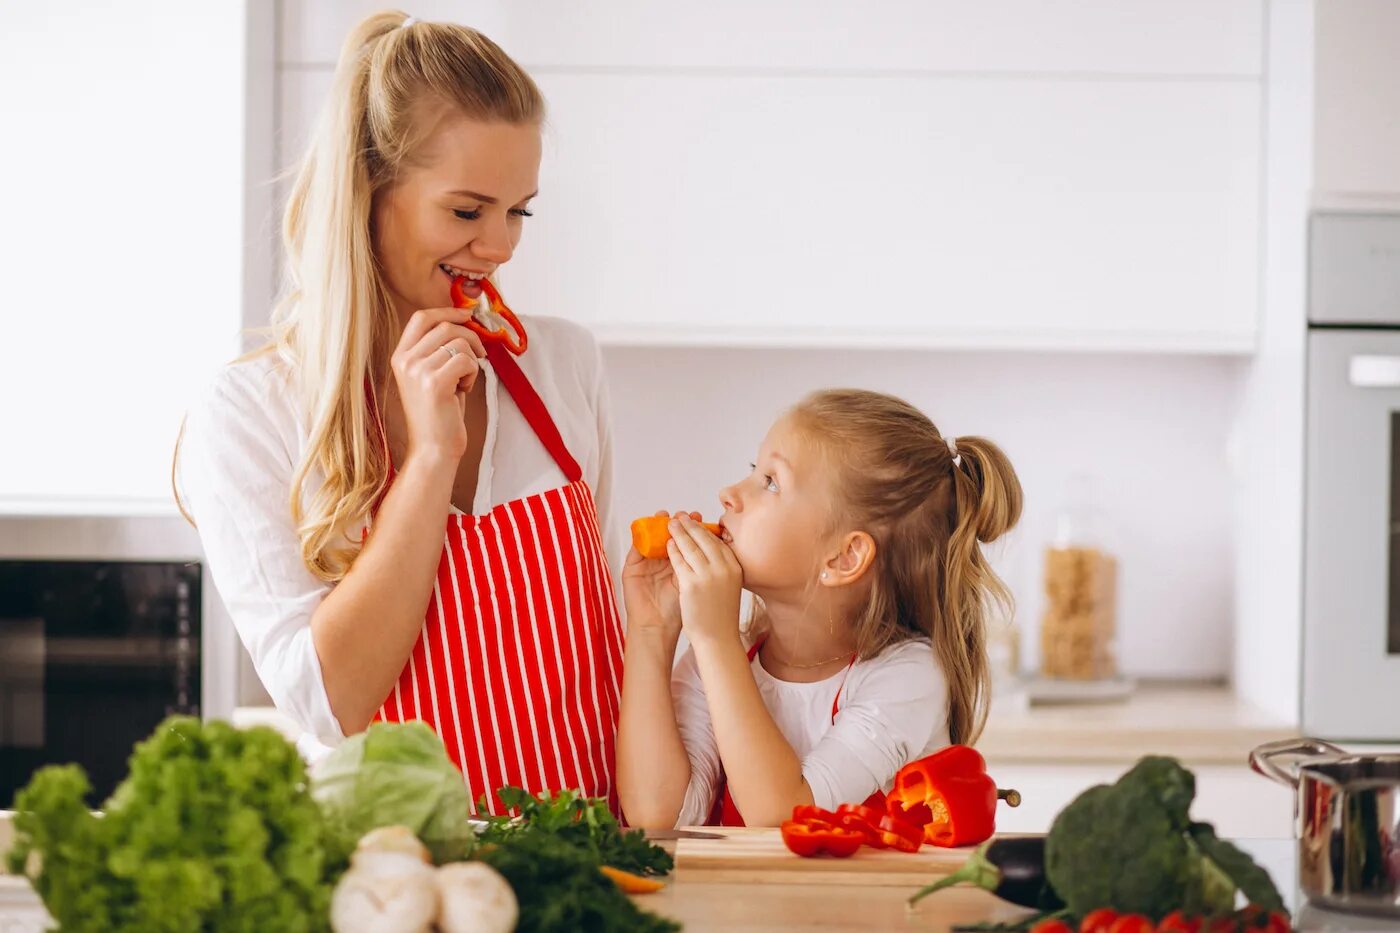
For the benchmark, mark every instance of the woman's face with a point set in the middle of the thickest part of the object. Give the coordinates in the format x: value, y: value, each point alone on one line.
x: 460, y: 209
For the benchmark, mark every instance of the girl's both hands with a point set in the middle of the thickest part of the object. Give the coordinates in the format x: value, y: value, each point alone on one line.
x: 709, y: 579
x: 652, y: 596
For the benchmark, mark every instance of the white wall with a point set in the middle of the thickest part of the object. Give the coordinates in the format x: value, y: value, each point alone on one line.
x: 1151, y: 429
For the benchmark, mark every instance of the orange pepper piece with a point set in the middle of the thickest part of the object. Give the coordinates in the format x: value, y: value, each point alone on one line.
x: 650, y: 534
x: 630, y: 883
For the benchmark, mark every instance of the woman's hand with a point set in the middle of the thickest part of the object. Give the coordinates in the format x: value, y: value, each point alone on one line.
x: 710, y: 580
x: 649, y: 588
x: 433, y: 384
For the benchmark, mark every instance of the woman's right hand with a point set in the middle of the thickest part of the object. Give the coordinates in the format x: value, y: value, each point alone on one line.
x: 649, y: 587
x: 433, y: 384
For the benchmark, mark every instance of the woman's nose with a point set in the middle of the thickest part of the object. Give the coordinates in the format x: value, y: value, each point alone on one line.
x: 494, y: 245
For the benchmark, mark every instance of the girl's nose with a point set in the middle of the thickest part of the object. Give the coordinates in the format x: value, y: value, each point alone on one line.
x: 729, y: 499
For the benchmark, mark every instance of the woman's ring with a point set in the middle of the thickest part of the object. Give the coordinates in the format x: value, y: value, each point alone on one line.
x: 451, y: 352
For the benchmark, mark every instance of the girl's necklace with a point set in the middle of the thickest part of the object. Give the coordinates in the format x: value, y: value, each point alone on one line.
x: 808, y: 667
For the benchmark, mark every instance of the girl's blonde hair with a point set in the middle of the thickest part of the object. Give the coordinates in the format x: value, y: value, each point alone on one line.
x: 895, y: 477
x: 335, y: 327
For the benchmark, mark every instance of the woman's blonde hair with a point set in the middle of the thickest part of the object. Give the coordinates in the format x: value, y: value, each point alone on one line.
x: 896, y: 477
x: 335, y: 327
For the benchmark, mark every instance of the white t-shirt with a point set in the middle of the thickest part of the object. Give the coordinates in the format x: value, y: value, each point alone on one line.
x: 245, y: 437
x: 893, y: 710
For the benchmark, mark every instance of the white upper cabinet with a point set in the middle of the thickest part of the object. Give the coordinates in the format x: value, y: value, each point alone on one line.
x: 123, y: 248
x: 940, y: 174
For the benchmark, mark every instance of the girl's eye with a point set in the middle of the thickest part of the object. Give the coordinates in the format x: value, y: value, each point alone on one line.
x: 522, y: 212
x: 769, y: 483
x: 474, y: 214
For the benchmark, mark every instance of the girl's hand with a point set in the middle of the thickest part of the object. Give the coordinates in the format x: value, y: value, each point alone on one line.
x: 433, y: 384
x: 650, y: 591
x: 710, y: 581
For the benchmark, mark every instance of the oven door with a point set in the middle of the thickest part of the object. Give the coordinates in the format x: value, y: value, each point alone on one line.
x: 1351, y: 598
x: 95, y: 654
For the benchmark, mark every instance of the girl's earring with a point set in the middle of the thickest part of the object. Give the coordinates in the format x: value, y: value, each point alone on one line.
x: 823, y: 574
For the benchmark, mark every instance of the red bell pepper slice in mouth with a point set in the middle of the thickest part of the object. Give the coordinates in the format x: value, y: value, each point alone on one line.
x: 512, y: 337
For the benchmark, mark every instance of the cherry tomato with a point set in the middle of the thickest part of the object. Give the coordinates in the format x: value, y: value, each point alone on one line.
x: 1098, y: 921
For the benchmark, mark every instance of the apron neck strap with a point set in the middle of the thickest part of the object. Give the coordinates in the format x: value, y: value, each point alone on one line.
x: 532, y: 407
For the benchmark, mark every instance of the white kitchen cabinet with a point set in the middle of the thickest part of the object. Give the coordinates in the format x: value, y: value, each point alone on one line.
x: 1020, y: 175
x: 124, y: 243
x: 1240, y: 803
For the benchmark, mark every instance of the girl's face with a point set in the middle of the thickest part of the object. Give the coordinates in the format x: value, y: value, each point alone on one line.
x: 459, y: 209
x: 776, y: 519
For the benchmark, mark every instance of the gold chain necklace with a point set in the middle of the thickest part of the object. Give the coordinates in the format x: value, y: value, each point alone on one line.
x: 808, y: 667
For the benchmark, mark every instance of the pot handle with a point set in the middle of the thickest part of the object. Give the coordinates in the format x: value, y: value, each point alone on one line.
x: 1262, y: 758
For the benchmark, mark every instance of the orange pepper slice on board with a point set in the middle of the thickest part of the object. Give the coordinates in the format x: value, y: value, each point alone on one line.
x: 630, y: 883
x: 650, y: 534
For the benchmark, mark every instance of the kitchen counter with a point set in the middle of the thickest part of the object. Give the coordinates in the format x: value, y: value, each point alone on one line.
x: 1197, y: 723
x: 764, y: 905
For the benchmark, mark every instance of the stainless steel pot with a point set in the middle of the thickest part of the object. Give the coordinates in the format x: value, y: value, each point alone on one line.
x: 1347, y: 818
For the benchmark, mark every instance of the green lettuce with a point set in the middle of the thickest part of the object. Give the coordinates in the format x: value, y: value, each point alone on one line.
x: 396, y: 774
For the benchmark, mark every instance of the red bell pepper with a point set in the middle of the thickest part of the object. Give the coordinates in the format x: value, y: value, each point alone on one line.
x: 881, y: 830
x: 513, y: 339
x: 812, y: 837
x: 950, y: 795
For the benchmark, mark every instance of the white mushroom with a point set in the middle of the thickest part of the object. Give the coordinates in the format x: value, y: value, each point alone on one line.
x: 390, y: 888
x: 475, y: 899
x: 393, y: 839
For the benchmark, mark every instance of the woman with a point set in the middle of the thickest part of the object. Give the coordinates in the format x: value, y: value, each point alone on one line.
x: 394, y: 536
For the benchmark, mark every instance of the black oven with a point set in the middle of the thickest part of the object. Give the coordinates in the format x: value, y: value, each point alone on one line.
x: 93, y: 654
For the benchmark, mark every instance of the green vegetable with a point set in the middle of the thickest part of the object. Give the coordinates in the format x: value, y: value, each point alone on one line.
x: 560, y: 889
x: 212, y: 830
x: 396, y: 774
x: 1132, y: 846
x: 1238, y: 867
x: 584, y: 823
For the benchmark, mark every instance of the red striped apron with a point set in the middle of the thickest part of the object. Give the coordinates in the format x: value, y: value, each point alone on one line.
x: 724, y: 813
x: 518, y: 664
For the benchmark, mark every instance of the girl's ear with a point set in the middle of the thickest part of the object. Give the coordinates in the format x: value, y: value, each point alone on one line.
x: 851, y: 562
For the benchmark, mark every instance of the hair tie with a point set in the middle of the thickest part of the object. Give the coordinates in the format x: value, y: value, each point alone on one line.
x: 953, y: 449
x: 408, y: 21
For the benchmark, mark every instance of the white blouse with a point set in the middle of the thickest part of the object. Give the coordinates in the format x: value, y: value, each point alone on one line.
x: 244, y: 438
x: 893, y: 710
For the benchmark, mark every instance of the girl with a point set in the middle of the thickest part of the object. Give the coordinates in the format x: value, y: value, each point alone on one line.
x: 858, y: 531
x: 404, y: 522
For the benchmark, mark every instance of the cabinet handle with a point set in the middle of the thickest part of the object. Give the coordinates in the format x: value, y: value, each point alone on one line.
x: 1375, y: 372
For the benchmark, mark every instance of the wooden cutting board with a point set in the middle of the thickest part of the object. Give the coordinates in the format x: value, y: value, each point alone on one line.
x: 758, y: 855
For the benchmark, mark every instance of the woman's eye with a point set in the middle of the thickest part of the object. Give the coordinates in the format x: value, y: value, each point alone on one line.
x: 522, y: 212
x: 468, y: 215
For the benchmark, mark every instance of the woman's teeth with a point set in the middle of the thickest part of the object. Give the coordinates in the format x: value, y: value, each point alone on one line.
x: 455, y: 272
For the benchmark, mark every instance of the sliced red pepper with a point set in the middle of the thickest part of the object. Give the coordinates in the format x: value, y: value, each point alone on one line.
x: 513, y: 338
x: 950, y: 795
x: 814, y: 838
x: 881, y: 830
x: 807, y: 812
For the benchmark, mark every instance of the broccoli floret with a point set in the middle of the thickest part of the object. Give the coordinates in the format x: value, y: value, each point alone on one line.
x: 1131, y: 846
